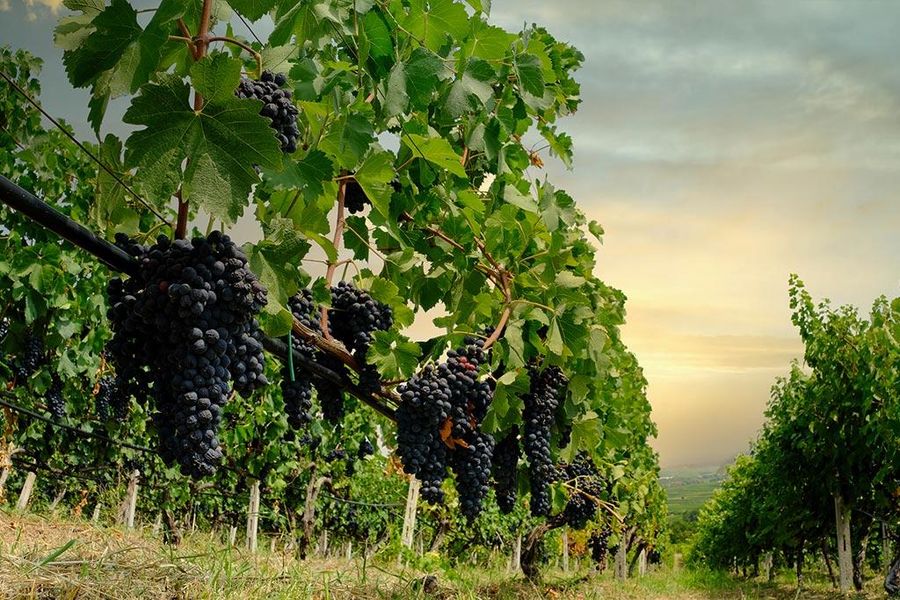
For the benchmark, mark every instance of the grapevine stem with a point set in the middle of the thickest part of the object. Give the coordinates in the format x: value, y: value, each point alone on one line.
x: 336, y: 242
x: 198, y: 52
x: 239, y: 44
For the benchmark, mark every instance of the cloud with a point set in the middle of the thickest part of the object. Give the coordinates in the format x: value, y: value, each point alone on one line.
x: 4, y: 5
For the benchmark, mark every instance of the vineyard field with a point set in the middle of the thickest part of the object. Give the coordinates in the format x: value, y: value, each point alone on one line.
x: 63, y: 557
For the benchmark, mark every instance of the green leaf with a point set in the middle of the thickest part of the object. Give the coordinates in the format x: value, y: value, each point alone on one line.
x: 517, y: 198
x: 437, y: 151
x: 274, y: 259
x: 252, y: 9
x: 109, y: 211
x: 216, y: 76
x: 395, y: 356
x: 531, y: 77
x: 374, y: 176
x: 356, y: 237
x: 473, y: 89
x: 433, y: 24
x: 348, y: 139
x: 486, y: 41
x: 378, y: 34
x: 396, y: 98
x: 424, y: 70
x: 114, y: 30
x: 223, y: 142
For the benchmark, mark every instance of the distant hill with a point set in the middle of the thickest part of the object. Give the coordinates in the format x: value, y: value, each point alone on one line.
x: 689, y: 487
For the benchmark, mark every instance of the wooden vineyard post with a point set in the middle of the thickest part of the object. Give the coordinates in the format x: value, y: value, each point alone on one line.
x: 622, y: 557
x: 253, y: 517
x: 642, y: 562
x: 232, y: 536
x: 565, y: 549
x: 409, y: 516
x: 96, y: 516
x: 25, y: 494
x: 515, y: 564
x: 130, y: 504
x: 842, y: 525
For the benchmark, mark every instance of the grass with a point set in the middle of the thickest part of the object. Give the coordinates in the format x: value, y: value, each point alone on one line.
x: 44, y: 558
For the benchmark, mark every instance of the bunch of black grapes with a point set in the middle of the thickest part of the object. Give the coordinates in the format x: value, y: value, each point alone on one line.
x: 296, y: 387
x: 33, y: 356
x: 185, y: 332
x: 585, y: 488
x: 599, y: 546
x: 365, y: 449
x: 547, y: 391
x: 438, y: 426
x: 355, y: 198
x: 4, y: 328
x: 277, y: 106
x: 504, y: 468
x: 56, y: 404
x: 353, y: 319
x: 110, y: 401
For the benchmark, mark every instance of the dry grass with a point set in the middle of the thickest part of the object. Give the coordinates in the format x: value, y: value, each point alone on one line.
x: 49, y: 558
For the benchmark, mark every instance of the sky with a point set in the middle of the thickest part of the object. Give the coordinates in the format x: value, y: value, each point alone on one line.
x: 723, y: 145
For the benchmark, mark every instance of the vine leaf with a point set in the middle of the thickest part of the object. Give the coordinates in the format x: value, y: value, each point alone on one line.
x: 487, y: 41
x: 252, y: 9
x: 216, y: 76
x: 223, y: 142
x: 110, y: 209
x: 275, y: 258
x: 374, y: 176
x: 433, y: 24
x: 106, y: 48
x: 528, y: 69
x: 437, y: 151
x: 395, y: 356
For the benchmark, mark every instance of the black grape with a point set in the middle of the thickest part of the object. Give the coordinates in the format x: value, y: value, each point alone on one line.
x: 355, y: 198
x: 599, y: 545
x: 56, y: 404
x: 33, y: 356
x: 504, y: 463
x: 541, y: 402
x: 297, y: 394
x: 438, y: 426
x: 185, y: 332
x: 365, y: 449
x: 585, y: 488
x: 277, y: 106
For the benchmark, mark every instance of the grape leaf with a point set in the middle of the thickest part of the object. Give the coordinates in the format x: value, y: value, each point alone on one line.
x: 252, y: 9
x: 216, y: 76
x: 433, y: 24
x: 437, y: 151
x: 531, y: 77
x: 374, y: 176
x: 223, y: 142
x: 487, y: 41
x: 395, y: 356
x: 275, y: 259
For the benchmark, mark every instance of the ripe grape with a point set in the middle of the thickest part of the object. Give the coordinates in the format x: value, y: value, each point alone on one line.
x: 599, y: 545
x: 541, y: 402
x: 365, y: 449
x: 438, y: 426
x: 33, y: 356
x: 56, y: 404
x: 505, y: 462
x: 585, y: 489
x: 355, y: 198
x: 277, y: 106
x: 185, y: 332
x: 297, y: 390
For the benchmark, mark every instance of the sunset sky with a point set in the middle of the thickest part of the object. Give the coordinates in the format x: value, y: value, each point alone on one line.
x: 722, y: 145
